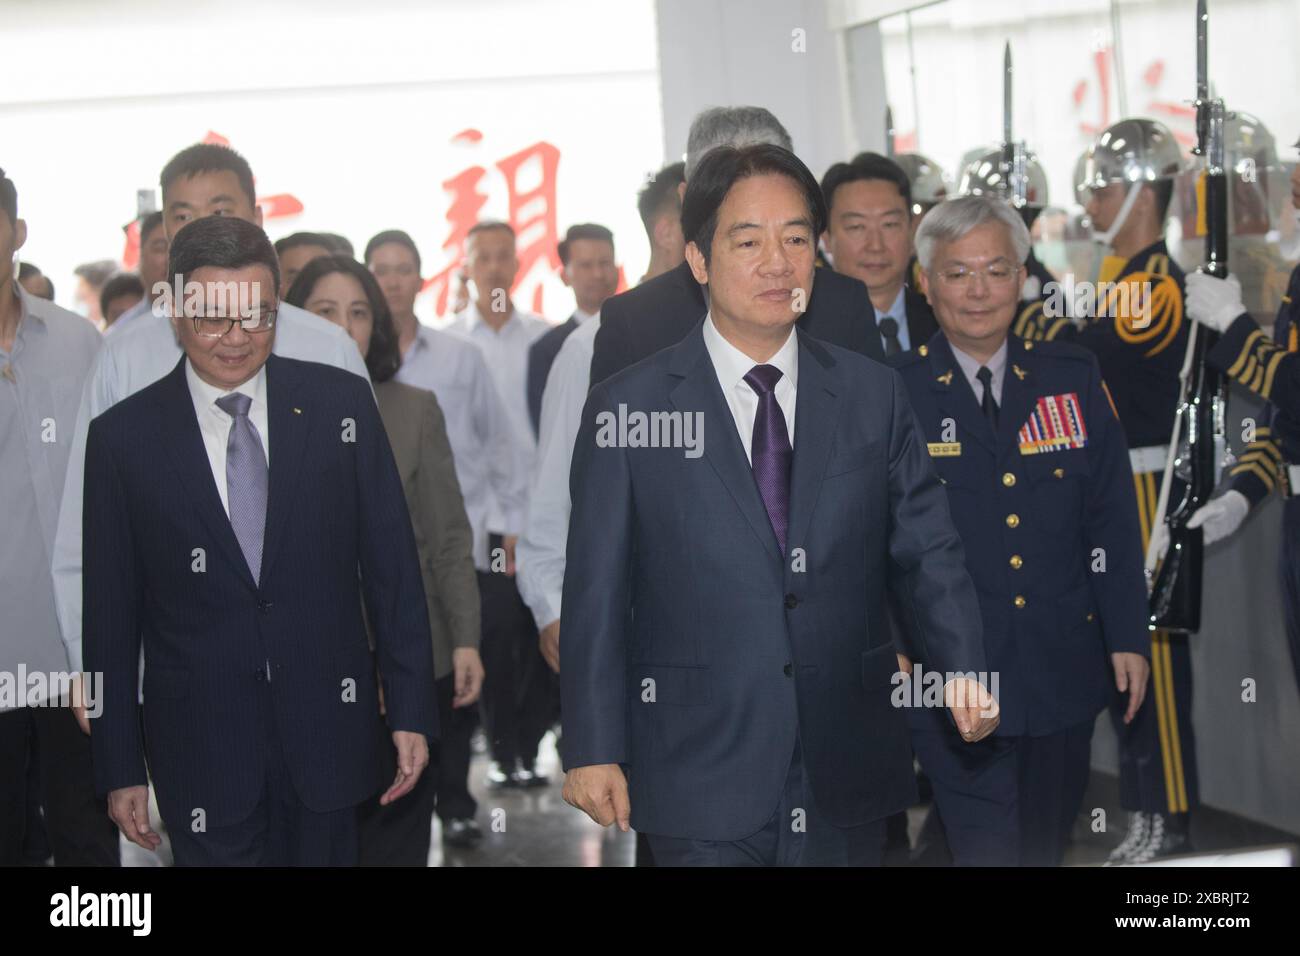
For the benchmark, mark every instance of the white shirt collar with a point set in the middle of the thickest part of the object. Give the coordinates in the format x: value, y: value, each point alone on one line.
x: 733, y: 365
x: 473, y: 319
x: 970, y: 366
x: 581, y: 317
x: 205, y: 395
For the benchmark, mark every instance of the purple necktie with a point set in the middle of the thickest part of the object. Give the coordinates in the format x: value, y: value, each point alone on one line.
x: 769, y: 452
x: 246, y: 479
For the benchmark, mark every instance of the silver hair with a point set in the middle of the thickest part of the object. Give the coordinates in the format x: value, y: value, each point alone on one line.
x: 732, y: 126
x: 953, y: 218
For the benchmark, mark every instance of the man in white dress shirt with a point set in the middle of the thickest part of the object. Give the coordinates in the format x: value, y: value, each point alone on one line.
x: 201, y: 180
x: 518, y: 693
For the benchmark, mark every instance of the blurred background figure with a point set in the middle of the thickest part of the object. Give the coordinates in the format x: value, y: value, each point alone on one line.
x: 35, y: 282
x: 153, y: 271
x: 297, y: 250
x: 120, y: 294
x: 91, y: 277
x: 660, y: 206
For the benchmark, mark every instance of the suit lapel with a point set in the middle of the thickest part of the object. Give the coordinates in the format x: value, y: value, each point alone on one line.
x: 288, y: 425
x: 816, y: 417
x: 954, y: 396
x: 184, y: 447
x: 699, y: 391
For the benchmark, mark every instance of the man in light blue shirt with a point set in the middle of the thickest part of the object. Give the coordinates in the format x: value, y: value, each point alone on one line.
x: 202, y: 180
x: 45, y: 353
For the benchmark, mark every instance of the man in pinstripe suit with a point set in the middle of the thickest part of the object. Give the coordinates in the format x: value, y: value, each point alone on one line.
x: 228, y: 509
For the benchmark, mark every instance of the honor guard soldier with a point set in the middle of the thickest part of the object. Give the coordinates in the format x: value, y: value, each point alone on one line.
x: 1137, y: 331
x: 1035, y: 463
x: 1269, y: 367
x: 983, y: 176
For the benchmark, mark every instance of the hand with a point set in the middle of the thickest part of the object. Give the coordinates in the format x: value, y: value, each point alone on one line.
x: 467, y: 667
x: 904, y: 664
x: 973, y: 708
x: 508, y: 542
x: 78, y: 704
x: 1221, y: 516
x: 548, y: 642
x: 412, y: 758
x: 1215, y: 303
x: 1131, y: 671
x: 600, y: 791
x: 128, y: 807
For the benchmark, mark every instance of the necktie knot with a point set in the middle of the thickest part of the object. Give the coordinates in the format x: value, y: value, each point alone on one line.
x: 985, y: 376
x: 763, y: 378
x: 888, y: 327
x: 236, y: 404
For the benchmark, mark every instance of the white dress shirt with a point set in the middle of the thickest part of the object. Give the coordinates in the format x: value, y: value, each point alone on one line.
x: 506, y: 352
x: 732, y: 365
x: 479, y: 430
x: 541, y: 557
x: 133, y: 359
x: 970, y: 367
x: 214, y: 423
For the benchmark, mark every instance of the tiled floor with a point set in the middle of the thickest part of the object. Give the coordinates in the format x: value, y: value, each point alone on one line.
x: 537, y: 828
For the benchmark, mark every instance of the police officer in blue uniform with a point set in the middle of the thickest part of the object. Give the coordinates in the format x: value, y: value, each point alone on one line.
x: 1027, y: 441
x: 1269, y: 367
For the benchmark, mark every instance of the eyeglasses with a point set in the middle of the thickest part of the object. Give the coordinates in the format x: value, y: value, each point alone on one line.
x: 215, y: 326
x: 997, y: 273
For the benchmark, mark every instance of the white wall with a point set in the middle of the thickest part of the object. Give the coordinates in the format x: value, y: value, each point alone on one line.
x: 350, y: 107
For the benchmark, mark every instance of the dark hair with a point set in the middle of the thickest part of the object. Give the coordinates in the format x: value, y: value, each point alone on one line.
x: 660, y: 194
x: 583, y: 230
x: 124, y: 283
x: 487, y: 225
x: 866, y: 167
x: 221, y: 242
x: 27, y: 271
x: 148, y: 223
x: 1163, y: 191
x: 97, y: 272
x: 294, y: 240
x: 8, y: 197
x: 340, y: 245
x: 208, y: 158
x: 394, y: 236
x: 724, y: 166
x: 384, y: 357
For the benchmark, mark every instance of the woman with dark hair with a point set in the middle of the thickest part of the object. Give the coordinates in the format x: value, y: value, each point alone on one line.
x: 344, y: 292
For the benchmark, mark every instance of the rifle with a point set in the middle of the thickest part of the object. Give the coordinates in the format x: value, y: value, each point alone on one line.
x: 1015, y: 177
x: 1199, y: 442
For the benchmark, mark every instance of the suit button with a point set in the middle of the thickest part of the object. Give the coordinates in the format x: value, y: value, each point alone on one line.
x: 791, y: 602
x: 1090, y: 616
x: 1017, y: 561
x: 1019, y: 601
x: 1013, y: 521
x: 788, y: 670
x: 264, y: 606
x: 1058, y: 472
x: 1008, y: 479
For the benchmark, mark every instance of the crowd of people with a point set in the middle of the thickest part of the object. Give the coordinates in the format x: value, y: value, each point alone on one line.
x: 878, y: 552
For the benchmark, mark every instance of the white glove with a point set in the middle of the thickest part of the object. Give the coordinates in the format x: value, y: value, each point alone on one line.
x: 1222, y: 516
x: 1214, y: 302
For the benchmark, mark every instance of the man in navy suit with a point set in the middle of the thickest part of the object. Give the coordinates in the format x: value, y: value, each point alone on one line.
x: 661, y: 311
x: 229, y: 507
x: 587, y: 254
x: 727, y: 665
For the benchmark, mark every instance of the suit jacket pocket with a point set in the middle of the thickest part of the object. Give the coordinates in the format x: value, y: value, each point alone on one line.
x: 879, y: 665
x: 672, y: 684
x: 164, y: 683
x: 851, y: 459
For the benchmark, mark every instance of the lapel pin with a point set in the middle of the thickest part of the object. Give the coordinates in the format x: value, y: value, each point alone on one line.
x: 1020, y: 373
x: 297, y: 411
x: 945, y: 378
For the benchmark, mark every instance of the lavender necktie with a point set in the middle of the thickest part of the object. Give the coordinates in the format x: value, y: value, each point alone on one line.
x: 246, y: 480
x: 769, y: 452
